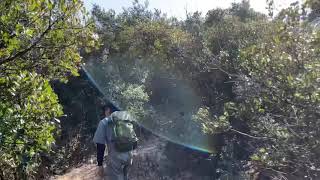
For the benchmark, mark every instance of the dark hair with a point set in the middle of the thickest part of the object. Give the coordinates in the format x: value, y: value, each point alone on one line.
x: 110, y: 106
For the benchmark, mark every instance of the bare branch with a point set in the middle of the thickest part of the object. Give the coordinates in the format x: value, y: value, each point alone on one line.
x: 248, y: 135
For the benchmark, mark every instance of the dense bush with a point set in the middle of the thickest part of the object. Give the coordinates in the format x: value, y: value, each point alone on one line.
x: 39, y: 42
x: 258, y: 78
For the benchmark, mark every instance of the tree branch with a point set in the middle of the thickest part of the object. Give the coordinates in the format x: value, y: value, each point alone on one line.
x: 21, y: 53
x: 248, y: 135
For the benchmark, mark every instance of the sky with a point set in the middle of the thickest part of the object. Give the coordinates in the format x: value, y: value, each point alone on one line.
x: 178, y: 8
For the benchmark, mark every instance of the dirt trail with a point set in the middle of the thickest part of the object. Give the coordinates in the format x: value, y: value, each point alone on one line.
x: 88, y: 171
x: 85, y: 172
x: 155, y: 159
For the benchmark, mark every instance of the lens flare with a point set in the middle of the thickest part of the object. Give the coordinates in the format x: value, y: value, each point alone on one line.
x: 169, y: 107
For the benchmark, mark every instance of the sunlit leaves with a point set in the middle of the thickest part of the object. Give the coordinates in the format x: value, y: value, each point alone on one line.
x: 26, y: 130
x: 39, y: 42
x: 278, y: 95
x: 35, y: 35
x: 211, y: 124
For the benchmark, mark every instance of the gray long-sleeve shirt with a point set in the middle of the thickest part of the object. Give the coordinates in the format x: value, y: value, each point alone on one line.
x: 104, y: 132
x: 101, y: 137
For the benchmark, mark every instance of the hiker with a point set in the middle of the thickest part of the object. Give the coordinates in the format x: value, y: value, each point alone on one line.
x: 116, y: 131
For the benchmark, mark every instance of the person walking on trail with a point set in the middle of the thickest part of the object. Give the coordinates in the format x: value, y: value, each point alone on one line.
x: 117, y: 132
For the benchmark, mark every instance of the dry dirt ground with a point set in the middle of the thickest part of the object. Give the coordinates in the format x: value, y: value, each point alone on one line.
x: 152, y: 161
x: 88, y: 171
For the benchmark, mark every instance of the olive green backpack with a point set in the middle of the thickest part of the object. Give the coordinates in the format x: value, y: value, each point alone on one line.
x: 124, y: 136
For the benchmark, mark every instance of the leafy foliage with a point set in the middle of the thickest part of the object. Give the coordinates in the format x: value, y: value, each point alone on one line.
x: 25, y: 129
x: 278, y: 99
x: 46, y: 33
x: 39, y: 42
